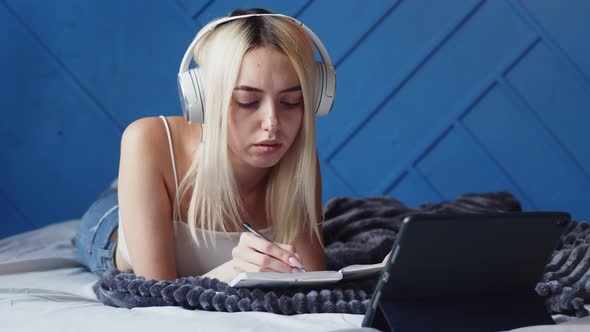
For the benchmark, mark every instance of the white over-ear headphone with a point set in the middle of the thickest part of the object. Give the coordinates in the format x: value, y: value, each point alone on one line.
x: 190, y: 81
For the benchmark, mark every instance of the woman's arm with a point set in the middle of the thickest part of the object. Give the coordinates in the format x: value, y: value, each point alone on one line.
x: 144, y: 206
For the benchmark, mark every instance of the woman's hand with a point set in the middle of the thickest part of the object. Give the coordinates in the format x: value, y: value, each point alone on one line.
x: 253, y: 254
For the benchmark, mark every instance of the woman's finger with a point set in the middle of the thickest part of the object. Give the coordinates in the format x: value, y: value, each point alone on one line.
x: 291, y: 248
x: 271, y: 249
x: 263, y: 260
x: 244, y: 266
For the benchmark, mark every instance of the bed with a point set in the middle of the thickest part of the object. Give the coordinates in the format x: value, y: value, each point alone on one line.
x: 43, y: 288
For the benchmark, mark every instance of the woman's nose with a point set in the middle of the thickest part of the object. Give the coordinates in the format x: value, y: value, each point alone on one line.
x: 270, y: 122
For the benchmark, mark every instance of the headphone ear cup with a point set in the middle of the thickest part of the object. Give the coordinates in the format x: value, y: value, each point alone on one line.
x: 325, y: 89
x: 197, y: 76
x: 319, y: 85
x: 192, y: 100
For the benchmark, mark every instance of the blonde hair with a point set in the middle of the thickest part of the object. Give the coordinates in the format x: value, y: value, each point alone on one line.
x: 290, y: 194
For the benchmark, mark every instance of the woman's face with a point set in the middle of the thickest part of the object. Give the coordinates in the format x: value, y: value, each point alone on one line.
x: 266, y: 109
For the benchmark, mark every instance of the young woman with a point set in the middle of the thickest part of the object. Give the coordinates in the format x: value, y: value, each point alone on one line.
x: 253, y: 160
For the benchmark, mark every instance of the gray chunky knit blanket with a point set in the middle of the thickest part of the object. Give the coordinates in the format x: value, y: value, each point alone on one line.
x: 356, y: 231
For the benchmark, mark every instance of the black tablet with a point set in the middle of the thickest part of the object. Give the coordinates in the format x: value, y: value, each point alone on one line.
x: 486, y: 263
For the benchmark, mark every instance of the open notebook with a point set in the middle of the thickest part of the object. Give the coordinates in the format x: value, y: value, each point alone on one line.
x: 277, y: 279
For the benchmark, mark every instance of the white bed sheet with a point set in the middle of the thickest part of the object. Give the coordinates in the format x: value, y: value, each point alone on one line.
x: 44, y: 288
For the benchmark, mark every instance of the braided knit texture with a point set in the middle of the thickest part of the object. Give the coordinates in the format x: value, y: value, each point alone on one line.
x: 356, y: 231
x: 566, y: 282
x: 124, y: 289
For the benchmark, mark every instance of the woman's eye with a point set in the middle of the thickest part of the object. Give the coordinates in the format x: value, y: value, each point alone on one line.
x: 247, y: 105
x: 291, y: 105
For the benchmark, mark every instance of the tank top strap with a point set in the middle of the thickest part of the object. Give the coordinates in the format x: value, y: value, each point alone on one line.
x: 176, y: 199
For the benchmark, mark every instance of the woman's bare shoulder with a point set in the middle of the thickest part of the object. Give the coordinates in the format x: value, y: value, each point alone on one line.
x: 150, y: 133
x: 145, y: 137
x: 145, y: 144
x: 148, y: 128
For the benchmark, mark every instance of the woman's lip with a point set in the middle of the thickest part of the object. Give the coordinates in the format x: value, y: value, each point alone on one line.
x: 268, y: 148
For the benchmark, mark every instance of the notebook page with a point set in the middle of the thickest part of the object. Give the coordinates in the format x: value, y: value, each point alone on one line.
x: 277, y: 279
x: 361, y: 270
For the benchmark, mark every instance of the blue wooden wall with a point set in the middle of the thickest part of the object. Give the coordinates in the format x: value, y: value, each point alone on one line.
x: 434, y: 99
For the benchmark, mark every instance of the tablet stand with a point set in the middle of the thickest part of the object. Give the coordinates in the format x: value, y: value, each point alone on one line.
x: 473, y: 314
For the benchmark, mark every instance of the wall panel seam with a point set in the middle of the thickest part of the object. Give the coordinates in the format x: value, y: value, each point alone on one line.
x: 459, y: 112
x: 507, y: 87
x: 301, y: 10
x: 495, y: 161
x: 367, y: 33
x: 182, y: 12
x: 63, y: 67
x: 340, y: 178
x: 566, y: 62
x: 426, y: 180
x: 196, y: 15
x: 365, y: 118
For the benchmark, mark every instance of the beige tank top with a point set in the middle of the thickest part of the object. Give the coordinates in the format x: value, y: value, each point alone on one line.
x: 193, y: 259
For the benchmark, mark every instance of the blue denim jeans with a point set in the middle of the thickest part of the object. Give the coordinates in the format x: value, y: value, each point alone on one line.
x: 94, y: 247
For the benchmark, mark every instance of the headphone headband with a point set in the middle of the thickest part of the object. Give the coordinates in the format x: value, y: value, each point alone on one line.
x: 212, y: 25
x: 190, y: 81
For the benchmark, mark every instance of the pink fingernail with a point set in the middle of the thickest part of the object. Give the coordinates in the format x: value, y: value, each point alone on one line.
x: 294, y: 262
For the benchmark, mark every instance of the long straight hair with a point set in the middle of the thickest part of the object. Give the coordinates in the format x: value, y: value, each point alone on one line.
x: 290, y: 198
